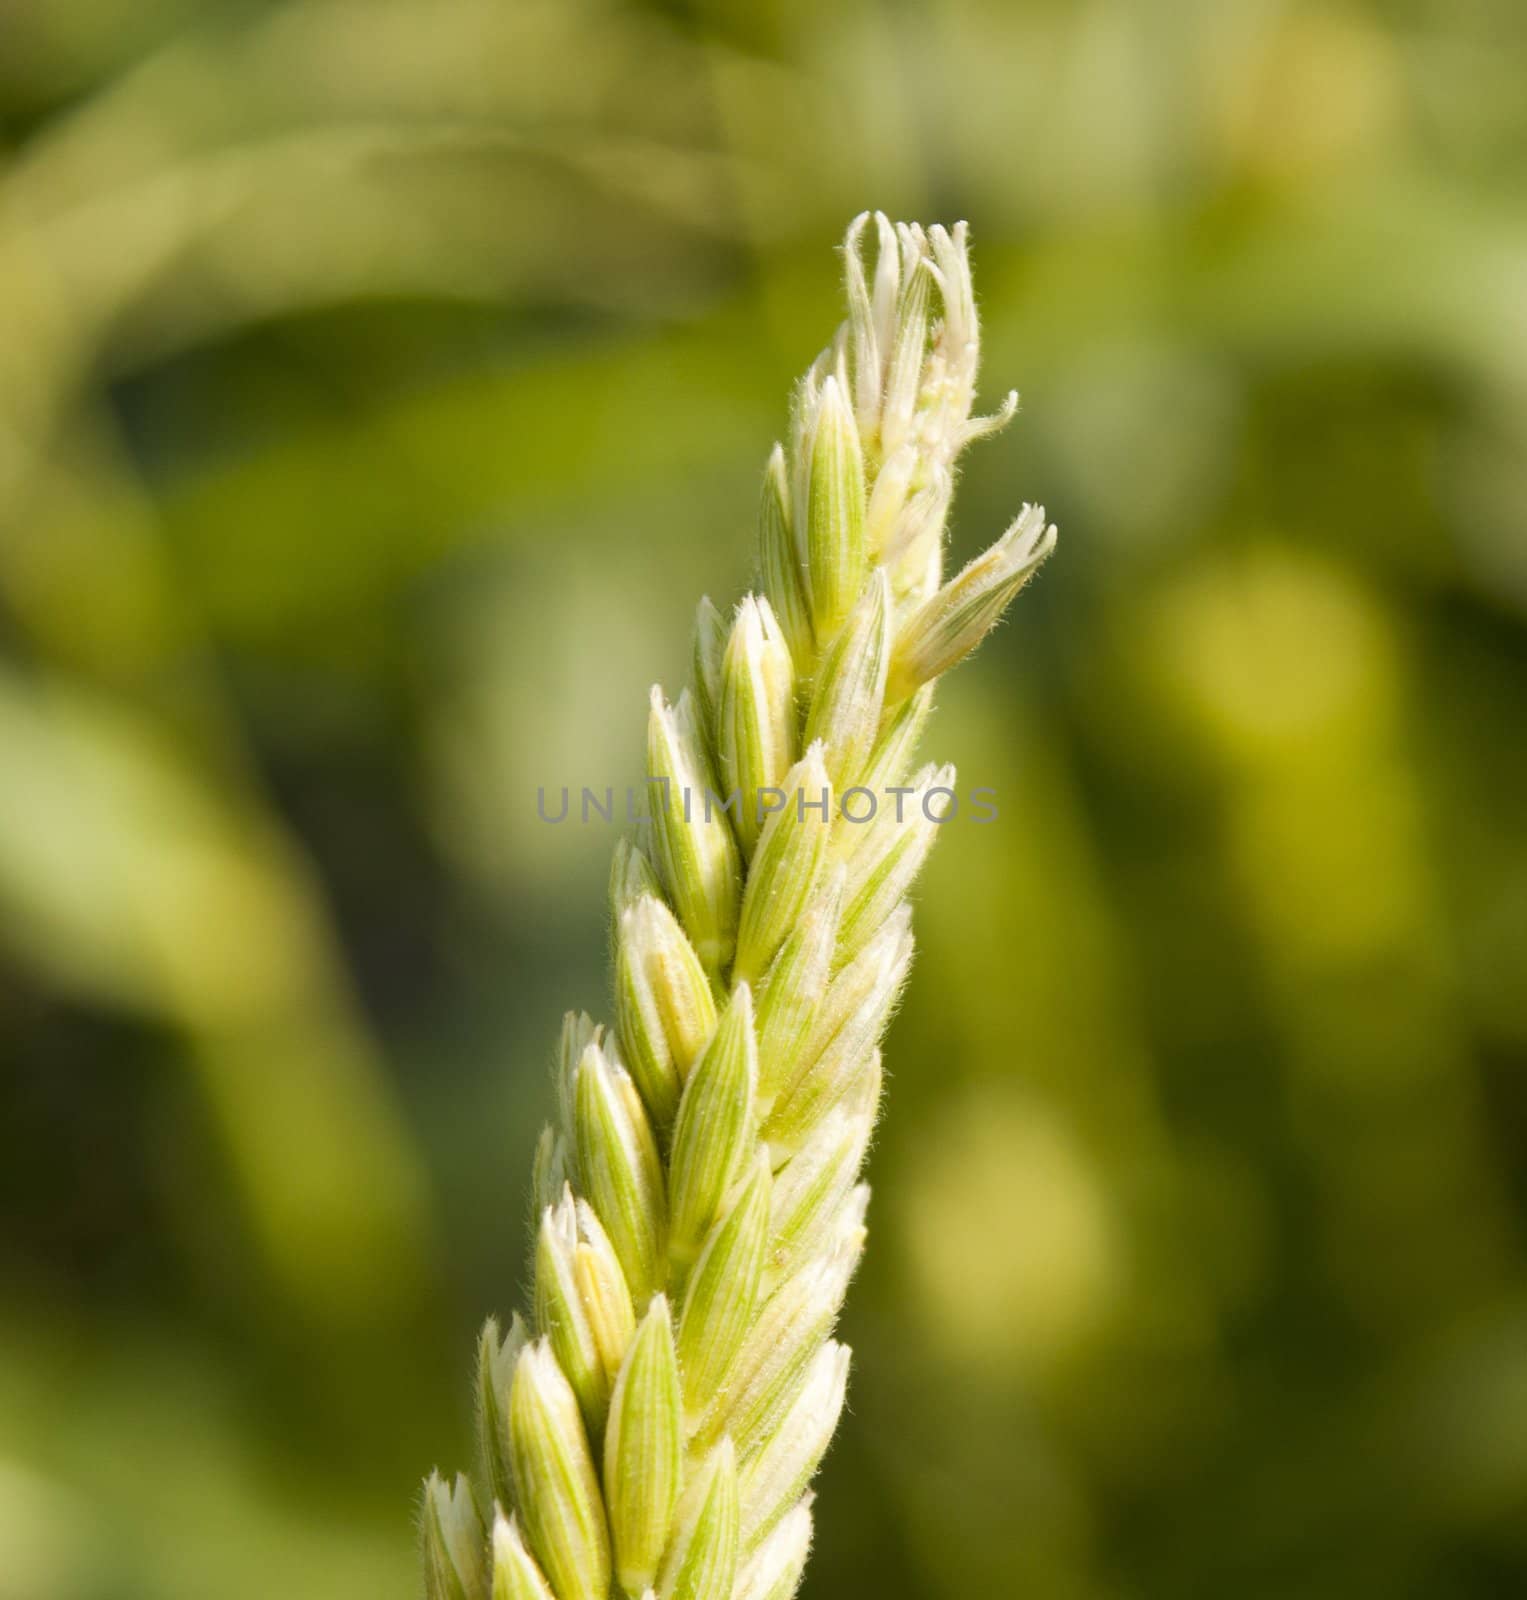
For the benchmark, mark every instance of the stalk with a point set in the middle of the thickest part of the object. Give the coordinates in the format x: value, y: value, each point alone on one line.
x: 650, y: 1430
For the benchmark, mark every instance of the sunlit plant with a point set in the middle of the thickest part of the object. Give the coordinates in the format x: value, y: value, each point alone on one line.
x: 652, y: 1422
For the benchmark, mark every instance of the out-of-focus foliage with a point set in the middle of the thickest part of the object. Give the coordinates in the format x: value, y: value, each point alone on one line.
x: 380, y: 382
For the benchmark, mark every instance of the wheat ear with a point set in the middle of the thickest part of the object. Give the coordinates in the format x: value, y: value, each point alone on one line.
x: 652, y: 1425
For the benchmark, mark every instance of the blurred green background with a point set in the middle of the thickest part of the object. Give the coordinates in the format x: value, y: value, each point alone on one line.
x: 381, y: 381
